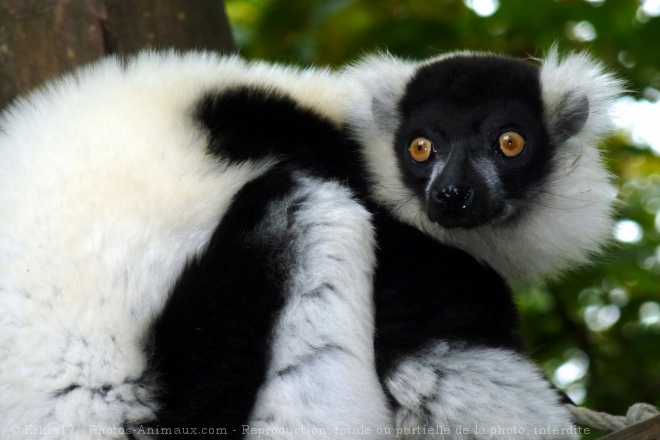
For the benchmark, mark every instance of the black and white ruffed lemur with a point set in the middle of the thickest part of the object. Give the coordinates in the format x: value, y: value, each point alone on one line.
x: 197, y: 241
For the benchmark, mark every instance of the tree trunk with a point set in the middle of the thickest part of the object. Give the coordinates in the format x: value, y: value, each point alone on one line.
x: 41, y: 39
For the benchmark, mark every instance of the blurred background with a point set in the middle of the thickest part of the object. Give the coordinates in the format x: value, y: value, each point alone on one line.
x: 596, y: 333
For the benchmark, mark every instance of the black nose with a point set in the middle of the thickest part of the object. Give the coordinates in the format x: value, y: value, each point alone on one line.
x: 454, y: 197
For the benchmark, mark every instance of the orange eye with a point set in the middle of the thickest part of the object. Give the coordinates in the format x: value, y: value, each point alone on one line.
x: 420, y: 149
x: 511, y: 143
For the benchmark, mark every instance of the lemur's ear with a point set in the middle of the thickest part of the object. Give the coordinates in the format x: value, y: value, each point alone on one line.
x: 384, y: 112
x: 577, y: 95
x: 571, y: 117
x: 376, y: 84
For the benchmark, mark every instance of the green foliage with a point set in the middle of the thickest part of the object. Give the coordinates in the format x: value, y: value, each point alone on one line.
x: 597, y: 331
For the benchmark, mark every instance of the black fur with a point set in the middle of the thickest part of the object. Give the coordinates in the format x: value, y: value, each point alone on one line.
x: 426, y: 291
x: 211, y: 342
x: 462, y: 105
x: 248, y: 123
x: 210, y: 345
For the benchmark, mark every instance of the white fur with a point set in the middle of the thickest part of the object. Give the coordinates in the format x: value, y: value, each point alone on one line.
x: 475, y: 393
x: 379, y: 81
x: 321, y: 380
x: 573, y: 217
x: 106, y: 191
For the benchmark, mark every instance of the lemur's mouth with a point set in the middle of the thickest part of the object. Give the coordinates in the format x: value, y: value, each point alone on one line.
x: 463, y: 217
x: 457, y: 206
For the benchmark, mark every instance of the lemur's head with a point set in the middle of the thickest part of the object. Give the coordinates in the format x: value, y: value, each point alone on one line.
x: 471, y: 142
x: 494, y: 155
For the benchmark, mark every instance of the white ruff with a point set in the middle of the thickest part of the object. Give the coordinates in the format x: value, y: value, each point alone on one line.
x: 572, y: 218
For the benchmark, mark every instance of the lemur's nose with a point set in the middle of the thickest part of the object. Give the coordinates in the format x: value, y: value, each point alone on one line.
x: 454, y: 197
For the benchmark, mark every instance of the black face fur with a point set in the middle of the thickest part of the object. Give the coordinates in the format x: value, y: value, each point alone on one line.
x: 463, y: 105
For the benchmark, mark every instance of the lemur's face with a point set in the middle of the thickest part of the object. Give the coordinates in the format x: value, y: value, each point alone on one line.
x: 495, y: 156
x: 471, y: 141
